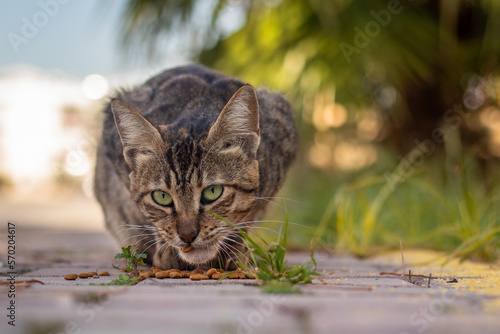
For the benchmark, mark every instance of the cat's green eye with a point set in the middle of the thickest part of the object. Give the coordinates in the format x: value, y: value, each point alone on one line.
x: 211, y: 194
x: 162, y: 198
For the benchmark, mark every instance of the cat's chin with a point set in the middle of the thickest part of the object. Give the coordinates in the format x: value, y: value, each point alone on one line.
x: 199, y: 255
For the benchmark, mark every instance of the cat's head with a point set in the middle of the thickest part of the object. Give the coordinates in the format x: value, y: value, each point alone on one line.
x: 180, y: 174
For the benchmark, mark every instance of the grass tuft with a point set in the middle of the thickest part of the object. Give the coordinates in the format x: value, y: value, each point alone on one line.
x: 269, y: 265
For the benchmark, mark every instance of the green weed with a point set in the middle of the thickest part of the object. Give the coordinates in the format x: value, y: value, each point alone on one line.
x: 133, y: 258
x: 123, y: 279
x: 269, y: 266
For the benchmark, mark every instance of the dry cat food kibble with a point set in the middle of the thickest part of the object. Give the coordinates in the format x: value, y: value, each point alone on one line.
x: 71, y: 277
x: 176, y: 274
x: 162, y: 274
x: 187, y: 249
x: 198, y: 277
x: 198, y: 271
x: 146, y: 273
x: 216, y: 276
x: 234, y: 276
x: 195, y: 275
x: 250, y: 275
x: 138, y: 278
x: 211, y: 271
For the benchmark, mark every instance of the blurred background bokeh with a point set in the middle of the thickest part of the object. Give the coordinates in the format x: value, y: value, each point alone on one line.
x: 397, y: 104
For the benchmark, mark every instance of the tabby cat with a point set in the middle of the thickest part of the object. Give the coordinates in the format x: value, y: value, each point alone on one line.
x: 189, y: 142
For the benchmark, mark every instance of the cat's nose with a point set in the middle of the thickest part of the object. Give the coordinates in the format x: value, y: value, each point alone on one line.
x: 189, y: 238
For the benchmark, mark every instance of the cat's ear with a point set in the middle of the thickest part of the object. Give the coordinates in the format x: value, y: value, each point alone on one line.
x: 140, y: 139
x: 238, y: 123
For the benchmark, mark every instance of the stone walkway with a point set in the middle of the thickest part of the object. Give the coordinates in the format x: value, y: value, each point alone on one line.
x: 360, y: 300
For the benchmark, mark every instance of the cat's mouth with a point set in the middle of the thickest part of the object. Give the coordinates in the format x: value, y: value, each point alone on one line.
x: 199, y: 254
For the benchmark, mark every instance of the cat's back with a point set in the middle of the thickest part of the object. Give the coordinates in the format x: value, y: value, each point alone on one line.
x: 167, y: 96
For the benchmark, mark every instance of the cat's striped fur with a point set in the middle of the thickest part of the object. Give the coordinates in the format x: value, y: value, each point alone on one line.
x: 181, y: 132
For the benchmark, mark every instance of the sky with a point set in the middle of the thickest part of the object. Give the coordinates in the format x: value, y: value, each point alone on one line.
x: 78, y: 38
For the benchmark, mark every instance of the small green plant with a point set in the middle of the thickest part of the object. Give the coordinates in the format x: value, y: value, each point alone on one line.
x: 269, y: 265
x: 123, y: 279
x: 134, y: 259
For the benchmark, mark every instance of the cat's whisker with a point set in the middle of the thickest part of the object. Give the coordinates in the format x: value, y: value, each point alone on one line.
x: 254, y: 229
x: 132, y: 226
x: 271, y: 199
x: 154, y: 242
x: 269, y: 221
x: 159, y: 249
x: 147, y: 236
x: 236, y: 250
x: 259, y: 221
x: 250, y: 227
x: 227, y: 258
x: 121, y: 230
x: 150, y: 243
x: 141, y: 235
x: 237, y: 242
x: 228, y: 250
x: 281, y: 206
x: 226, y: 253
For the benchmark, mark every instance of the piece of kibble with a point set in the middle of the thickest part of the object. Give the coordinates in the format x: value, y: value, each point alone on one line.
x: 216, y: 276
x: 103, y: 273
x: 175, y: 270
x: 185, y: 274
x: 175, y: 274
x: 162, y: 274
x: 234, y: 275
x: 147, y: 274
x: 154, y: 270
x: 242, y: 276
x: 250, y: 275
x: 71, y: 277
x: 124, y: 269
x: 211, y: 271
x: 83, y: 275
x: 198, y: 271
x: 187, y: 249
x: 138, y: 278
x: 92, y: 274
x: 197, y: 277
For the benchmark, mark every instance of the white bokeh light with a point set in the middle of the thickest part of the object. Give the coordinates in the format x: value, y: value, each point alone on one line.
x: 95, y: 87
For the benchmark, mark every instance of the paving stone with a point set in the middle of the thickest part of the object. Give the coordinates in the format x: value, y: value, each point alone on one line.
x: 356, y: 299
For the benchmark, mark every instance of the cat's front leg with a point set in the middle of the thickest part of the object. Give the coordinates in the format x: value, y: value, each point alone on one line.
x: 167, y: 257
